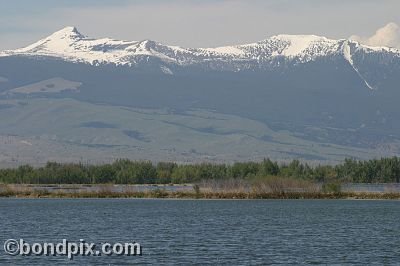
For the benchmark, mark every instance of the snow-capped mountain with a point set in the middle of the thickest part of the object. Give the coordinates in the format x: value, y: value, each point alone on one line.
x: 323, y: 91
x: 69, y: 44
x: 275, y: 52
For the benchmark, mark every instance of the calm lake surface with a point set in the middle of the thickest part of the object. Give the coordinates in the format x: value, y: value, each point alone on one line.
x: 210, y: 232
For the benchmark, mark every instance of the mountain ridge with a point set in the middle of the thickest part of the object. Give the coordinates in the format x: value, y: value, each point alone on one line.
x: 313, y: 93
x: 69, y: 44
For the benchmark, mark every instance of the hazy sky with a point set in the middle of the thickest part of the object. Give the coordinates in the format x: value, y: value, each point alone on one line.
x: 196, y: 23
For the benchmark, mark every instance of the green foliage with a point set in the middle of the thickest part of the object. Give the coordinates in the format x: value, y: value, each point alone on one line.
x: 124, y: 171
x: 372, y: 171
x: 331, y: 188
x: 244, y: 169
x: 164, y: 172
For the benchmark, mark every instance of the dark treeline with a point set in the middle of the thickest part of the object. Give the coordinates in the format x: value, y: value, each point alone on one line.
x: 144, y: 172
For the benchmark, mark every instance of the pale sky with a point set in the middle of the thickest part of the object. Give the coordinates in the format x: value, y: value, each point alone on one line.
x: 196, y: 23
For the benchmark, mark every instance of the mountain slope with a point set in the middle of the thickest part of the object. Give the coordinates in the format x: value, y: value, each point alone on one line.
x: 36, y: 130
x: 320, y: 91
x: 70, y: 45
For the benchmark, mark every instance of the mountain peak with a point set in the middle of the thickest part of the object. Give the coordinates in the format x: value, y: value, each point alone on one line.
x: 68, y: 32
x: 57, y: 43
x: 69, y: 29
x: 69, y: 44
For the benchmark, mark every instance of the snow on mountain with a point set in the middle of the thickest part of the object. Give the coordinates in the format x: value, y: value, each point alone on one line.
x: 69, y: 44
x: 348, y: 56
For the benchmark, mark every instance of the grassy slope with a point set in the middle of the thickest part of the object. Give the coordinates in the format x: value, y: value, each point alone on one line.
x: 37, y: 130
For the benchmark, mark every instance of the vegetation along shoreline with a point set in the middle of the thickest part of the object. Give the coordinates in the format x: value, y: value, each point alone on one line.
x: 242, y: 180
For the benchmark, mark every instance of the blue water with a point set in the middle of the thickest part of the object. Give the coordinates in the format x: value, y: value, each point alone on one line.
x: 210, y: 232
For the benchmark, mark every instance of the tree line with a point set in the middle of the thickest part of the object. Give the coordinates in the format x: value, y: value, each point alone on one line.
x: 124, y: 171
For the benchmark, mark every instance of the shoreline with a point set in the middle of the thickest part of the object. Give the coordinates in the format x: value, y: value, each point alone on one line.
x: 184, y: 191
x: 204, y: 196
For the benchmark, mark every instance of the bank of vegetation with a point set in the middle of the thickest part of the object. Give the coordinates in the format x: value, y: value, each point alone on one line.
x: 242, y: 180
x: 385, y: 170
x: 198, y: 192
